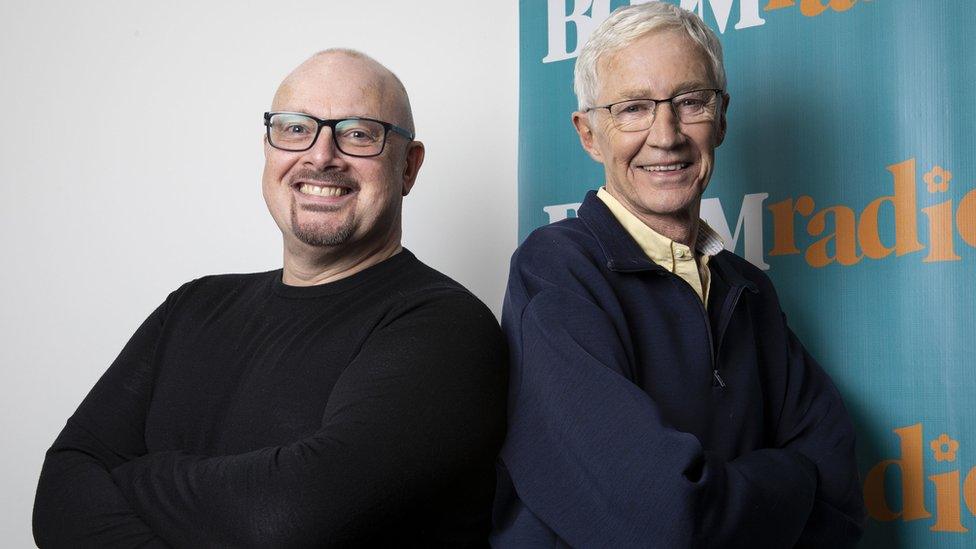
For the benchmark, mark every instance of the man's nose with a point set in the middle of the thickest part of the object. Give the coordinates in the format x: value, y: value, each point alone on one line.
x: 665, y: 130
x: 324, y: 151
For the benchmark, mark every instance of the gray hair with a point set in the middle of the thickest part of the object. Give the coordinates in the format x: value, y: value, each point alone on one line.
x: 629, y: 23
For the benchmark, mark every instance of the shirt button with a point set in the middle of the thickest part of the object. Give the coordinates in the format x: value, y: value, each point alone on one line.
x: 679, y: 254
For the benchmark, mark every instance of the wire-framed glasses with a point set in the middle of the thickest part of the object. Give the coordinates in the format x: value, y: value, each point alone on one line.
x: 354, y: 136
x: 690, y: 107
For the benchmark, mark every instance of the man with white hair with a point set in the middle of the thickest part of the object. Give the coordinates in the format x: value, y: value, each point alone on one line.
x: 355, y: 397
x: 658, y: 397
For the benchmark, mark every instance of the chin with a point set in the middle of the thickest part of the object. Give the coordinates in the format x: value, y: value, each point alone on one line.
x: 668, y: 205
x: 323, y: 239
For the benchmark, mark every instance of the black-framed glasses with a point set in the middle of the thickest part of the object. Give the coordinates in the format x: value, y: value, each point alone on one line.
x: 354, y: 136
x: 690, y: 107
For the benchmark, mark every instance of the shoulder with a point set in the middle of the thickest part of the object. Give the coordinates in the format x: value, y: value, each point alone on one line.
x: 563, y: 265
x: 569, y: 236
x: 210, y: 290
x: 568, y: 230
x: 421, y: 289
x: 234, y: 280
x: 425, y: 313
x: 560, y: 247
x: 222, y: 284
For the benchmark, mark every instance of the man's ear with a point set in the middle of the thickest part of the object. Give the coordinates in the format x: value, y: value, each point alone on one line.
x: 414, y: 157
x: 581, y: 121
x: 723, y: 119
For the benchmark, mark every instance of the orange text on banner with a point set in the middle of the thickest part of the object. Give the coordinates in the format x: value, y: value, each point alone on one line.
x: 909, y: 468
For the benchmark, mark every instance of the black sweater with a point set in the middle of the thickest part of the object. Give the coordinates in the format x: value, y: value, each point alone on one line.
x: 244, y: 412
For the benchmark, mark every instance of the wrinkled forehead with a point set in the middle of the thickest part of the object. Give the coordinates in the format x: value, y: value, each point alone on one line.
x: 339, y: 85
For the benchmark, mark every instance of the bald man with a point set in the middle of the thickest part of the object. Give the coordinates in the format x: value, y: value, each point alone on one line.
x: 353, y: 397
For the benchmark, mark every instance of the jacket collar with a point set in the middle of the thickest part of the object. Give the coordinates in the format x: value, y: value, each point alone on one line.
x: 624, y: 255
x: 732, y: 276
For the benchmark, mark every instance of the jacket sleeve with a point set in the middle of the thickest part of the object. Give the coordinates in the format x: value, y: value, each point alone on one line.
x: 814, y: 422
x: 419, y: 409
x: 77, y: 502
x: 590, y: 455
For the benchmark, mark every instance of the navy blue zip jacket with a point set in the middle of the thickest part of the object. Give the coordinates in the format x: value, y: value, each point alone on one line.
x: 639, y: 419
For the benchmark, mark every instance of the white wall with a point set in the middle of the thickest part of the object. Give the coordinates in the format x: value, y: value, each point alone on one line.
x: 107, y: 202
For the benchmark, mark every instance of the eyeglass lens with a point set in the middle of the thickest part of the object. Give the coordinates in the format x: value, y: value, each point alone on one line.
x: 355, y: 137
x: 691, y: 107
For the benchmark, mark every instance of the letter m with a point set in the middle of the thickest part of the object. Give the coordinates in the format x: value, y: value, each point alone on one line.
x: 748, y: 12
x: 750, y: 218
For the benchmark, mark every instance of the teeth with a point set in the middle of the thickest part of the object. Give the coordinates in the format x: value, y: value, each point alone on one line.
x: 667, y: 168
x: 305, y: 188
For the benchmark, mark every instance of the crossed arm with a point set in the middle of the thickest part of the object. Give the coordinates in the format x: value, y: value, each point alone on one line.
x: 77, y: 503
x: 419, y: 408
x: 591, y: 457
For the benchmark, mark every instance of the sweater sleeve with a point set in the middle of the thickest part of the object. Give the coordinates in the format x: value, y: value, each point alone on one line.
x: 591, y: 457
x: 814, y: 422
x: 77, y: 502
x: 418, y: 410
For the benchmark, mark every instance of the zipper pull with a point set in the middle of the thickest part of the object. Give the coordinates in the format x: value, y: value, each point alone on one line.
x: 718, y: 379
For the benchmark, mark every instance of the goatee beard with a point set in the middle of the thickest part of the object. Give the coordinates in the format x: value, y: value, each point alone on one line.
x: 317, y: 234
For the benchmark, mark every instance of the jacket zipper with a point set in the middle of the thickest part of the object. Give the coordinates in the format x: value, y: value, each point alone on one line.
x: 716, y: 378
x: 724, y: 324
x: 736, y: 290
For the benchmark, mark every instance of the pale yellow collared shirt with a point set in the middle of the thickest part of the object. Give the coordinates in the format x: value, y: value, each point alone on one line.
x: 673, y: 256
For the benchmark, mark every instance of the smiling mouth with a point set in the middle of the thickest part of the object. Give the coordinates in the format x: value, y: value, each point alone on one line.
x: 666, y: 167
x: 322, y: 190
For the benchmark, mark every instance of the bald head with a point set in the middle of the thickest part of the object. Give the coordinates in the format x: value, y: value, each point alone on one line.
x: 365, y: 76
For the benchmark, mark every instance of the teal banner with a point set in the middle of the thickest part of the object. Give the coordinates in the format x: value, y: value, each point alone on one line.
x: 849, y: 174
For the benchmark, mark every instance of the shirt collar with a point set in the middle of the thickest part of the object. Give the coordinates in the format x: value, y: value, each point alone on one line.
x: 654, y: 245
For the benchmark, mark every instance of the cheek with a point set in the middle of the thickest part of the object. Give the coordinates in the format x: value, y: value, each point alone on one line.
x: 707, y: 164
x: 705, y: 143
x: 272, y: 171
x: 273, y: 187
x: 389, y: 179
x: 622, y: 149
x: 267, y: 181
